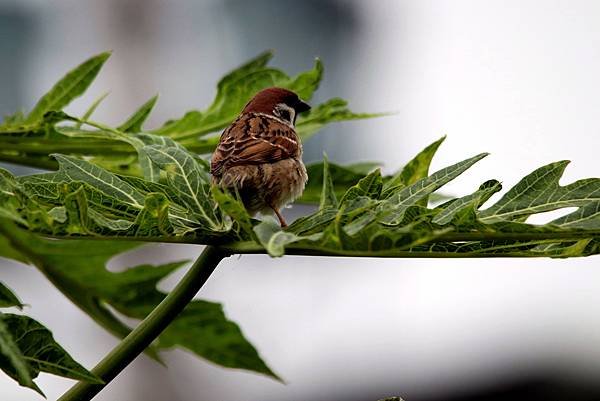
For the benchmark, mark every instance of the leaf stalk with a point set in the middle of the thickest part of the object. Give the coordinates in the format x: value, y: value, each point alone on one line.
x: 149, y: 329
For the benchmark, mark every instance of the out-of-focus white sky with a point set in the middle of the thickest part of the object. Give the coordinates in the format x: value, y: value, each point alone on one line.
x: 519, y: 79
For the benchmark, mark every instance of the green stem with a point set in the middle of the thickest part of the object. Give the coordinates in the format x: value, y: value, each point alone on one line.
x: 43, y: 162
x: 251, y: 247
x: 149, y: 329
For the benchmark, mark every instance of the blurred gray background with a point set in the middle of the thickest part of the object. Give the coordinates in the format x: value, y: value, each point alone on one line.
x: 519, y: 79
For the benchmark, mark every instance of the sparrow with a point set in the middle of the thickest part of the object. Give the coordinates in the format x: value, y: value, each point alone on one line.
x: 259, y: 156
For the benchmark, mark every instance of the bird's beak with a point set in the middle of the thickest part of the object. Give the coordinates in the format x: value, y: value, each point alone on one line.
x: 301, y: 106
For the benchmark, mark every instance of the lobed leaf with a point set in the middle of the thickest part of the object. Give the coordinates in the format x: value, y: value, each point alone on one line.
x: 342, y: 178
x: 397, y: 203
x: 134, y: 123
x: 8, y: 298
x: 191, y: 182
x: 203, y: 329
x: 28, y: 348
x: 47, y: 130
x: 79, y: 170
x: 306, y: 83
x: 457, y: 207
x: 239, y: 86
x: 235, y: 209
x: 369, y: 186
x: 416, y: 169
x: 333, y: 110
x: 328, y: 198
x: 88, y: 113
x: 68, y: 88
x: 274, y: 239
x: 12, y: 360
x: 361, y: 213
x: 540, y: 192
x: 78, y: 269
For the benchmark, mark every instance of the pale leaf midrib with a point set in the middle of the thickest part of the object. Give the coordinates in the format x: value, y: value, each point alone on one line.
x: 540, y: 208
x: 188, y: 185
x: 133, y: 200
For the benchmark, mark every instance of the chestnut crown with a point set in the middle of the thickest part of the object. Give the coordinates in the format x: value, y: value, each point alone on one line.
x: 278, y: 102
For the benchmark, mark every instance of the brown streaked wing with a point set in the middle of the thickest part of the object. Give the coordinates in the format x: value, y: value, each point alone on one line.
x: 243, y: 143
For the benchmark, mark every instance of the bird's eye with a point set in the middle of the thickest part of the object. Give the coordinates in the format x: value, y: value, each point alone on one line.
x: 285, y: 112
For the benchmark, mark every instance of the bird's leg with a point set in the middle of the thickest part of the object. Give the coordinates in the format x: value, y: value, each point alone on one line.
x: 279, y: 216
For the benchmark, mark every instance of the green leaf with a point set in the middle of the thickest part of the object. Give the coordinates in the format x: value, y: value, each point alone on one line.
x: 238, y: 87
x: 333, y: 110
x: 370, y: 186
x: 137, y: 141
x: 174, y: 201
x: 190, y: 180
x: 306, y: 83
x: 47, y: 129
x: 7, y: 251
x: 540, y: 192
x: 274, y: 240
x: 153, y: 220
x: 68, y: 88
x: 82, y: 198
x: 27, y: 346
x: 134, y: 123
x: 8, y: 298
x: 91, y: 109
x: 416, y: 169
x: 80, y: 170
x: 12, y: 360
x: 233, y: 92
x: 328, y: 198
x: 396, y: 205
x: 314, y: 223
x: 78, y: 269
x: 57, y: 259
x: 342, y: 178
x: 468, y: 203
x: 235, y: 209
x: 9, y: 204
x: 203, y: 329
x: 367, y: 219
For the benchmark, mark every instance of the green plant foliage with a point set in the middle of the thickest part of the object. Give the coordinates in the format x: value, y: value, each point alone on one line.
x: 134, y: 123
x: 30, y: 140
x: 235, y: 90
x: 540, y: 192
x: 78, y: 269
x: 8, y: 298
x: 335, y: 109
x: 342, y: 178
x: 328, y: 197
x: 112, y: 188
x: 86, y: 116
x: 376, y: 216
x: 414, y: 170
x: 28, y: 348
x: 346, y: 176
x: 12, y: 360
x: 68, y: 88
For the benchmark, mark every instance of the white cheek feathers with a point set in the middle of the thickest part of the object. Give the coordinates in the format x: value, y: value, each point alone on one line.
x: 285, y: 113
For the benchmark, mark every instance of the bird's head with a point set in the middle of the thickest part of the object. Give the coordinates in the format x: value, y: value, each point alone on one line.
x: 278, y: 102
